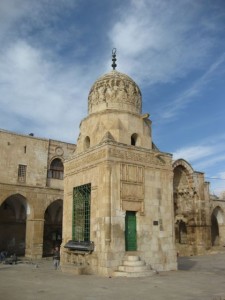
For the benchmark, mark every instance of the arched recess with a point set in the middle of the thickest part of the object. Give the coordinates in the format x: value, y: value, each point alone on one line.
x: 52, y: 227
x: 183, y: 194
x: 181, y: 232
x: 87, y: 143
x: 182, y: 184
x: 13, y: 216
x: 134, y: 139
x: 217, y: 226
x: 56, y: 169
x: 183, y: 173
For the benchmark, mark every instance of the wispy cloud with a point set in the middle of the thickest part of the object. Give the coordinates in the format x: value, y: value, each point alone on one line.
x: 190, y: 94
x: 39, y: 91
x: 208, y: 157
x: 43, y: 92
x: 217, y: 184
x: 222, y: 176
x: 207, y: 152
x: 161, y: 41
x: 204, y: 164
x: 193, y: 153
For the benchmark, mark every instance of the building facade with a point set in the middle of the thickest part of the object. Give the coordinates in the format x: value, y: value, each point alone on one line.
x: 31, y: 193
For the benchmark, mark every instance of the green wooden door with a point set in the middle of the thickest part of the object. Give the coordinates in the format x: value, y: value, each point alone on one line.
x: 130, y: 231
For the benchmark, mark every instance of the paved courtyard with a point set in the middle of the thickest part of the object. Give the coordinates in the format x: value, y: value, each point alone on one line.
x: 201, y: 277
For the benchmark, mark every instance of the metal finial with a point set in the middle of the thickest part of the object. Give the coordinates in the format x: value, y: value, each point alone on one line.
x: 114, y: 58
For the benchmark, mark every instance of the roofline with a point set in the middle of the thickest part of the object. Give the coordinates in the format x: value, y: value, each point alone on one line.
x: 33, y: 137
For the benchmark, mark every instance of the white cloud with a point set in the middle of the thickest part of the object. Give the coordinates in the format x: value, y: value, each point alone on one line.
x: 43, y: 92
x: 38, y: 91
x: 211, y: 161
x: 160, y: 41
x: 189, y: 94
x: 217, y: 185
x: 193, y: 153
x: 222, y: 176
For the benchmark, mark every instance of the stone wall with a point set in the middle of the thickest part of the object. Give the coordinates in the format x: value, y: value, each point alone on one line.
x: 23, y: 203
x: 123, y: 178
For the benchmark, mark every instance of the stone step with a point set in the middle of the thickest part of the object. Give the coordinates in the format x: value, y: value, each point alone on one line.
x: 133, y: 269
x: 132, y: 257
x: 134, y: 263
x: 136, y: 274
x: 133, y: 266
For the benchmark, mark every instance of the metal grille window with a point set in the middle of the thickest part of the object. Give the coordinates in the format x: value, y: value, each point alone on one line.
x: 22, y: 173
x: 81, y: 212
x: 56, y: 169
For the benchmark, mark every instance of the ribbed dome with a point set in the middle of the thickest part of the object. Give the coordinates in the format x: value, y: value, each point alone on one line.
x: 115, y: 90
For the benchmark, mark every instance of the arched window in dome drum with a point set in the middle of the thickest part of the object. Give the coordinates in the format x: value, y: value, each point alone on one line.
x: 134, y: 139
x: 56, y: 169
x: 87, y: 143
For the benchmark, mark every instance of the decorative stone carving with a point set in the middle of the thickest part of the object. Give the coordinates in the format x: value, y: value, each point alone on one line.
x: 85, y: 160
x: 184, y: 198
x: 59, y: 151
x: 132, y: 173
x: 115, y: 90
x: 144, y: 157
x: 132, y: 187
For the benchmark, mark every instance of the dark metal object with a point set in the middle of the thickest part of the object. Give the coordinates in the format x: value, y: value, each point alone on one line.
x: 12, y: 260
x: 114, y: 58
x: 84, y: 246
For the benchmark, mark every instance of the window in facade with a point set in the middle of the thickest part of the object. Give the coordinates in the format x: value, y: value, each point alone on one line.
x: 134, y: 139
x: 56, y: 169
x: 87, y: 143
x: 22, y: 173
x: 81, y: 212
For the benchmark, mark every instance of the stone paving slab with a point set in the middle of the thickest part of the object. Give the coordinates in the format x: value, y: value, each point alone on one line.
x: 201, y: 277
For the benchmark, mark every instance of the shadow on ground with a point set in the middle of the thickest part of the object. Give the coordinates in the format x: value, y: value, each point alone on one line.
x: 185, y: 263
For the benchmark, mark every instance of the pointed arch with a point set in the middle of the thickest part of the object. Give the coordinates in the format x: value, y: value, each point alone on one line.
x: 183, y: 163
x: 52, y: 226
x: 183, y: 175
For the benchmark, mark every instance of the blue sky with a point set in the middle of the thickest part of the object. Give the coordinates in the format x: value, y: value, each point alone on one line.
x: 52, y: 52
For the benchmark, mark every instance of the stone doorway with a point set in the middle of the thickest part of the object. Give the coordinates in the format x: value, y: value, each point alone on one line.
x: 52, y: 227
x: 130, y: 231
x: 181, y: 232
x: 13, y: 215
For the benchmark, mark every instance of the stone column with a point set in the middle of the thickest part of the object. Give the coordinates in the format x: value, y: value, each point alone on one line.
x: 222, y: 234
x: 34, y: 238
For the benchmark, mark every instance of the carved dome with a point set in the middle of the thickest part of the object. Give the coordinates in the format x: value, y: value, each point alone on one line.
x: 115, y: 90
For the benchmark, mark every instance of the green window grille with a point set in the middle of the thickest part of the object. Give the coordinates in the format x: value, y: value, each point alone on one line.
x: 81, y: 212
